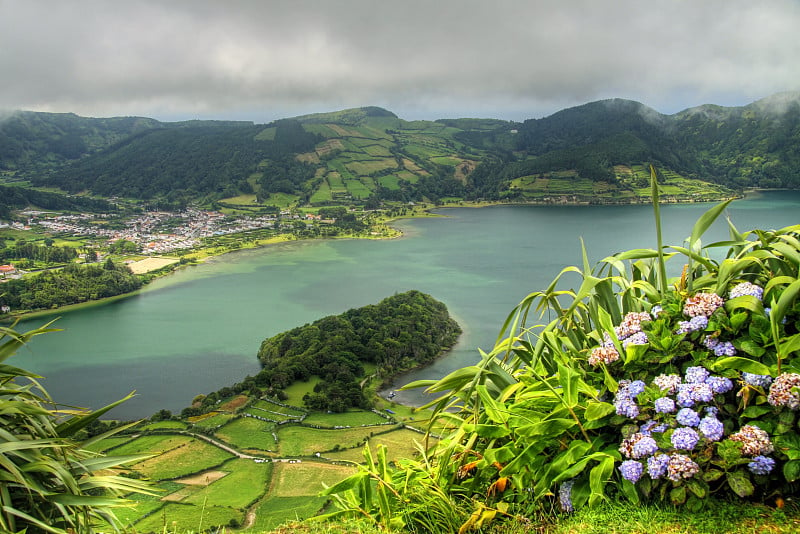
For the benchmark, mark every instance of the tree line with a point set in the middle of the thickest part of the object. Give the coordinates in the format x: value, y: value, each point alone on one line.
x: 71, y: 285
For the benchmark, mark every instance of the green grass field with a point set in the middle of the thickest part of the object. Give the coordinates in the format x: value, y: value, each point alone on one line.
x: 275, y: 511
x: 245, y: 482
x: 154, y: 444
x: 298, y: 389
x: 248, y: 433
x: 399, y: 444
x: 349, y: 418
x: 303, y: 441
x: 193, y: 457
x: 176, y: 517
x: 163, y: 425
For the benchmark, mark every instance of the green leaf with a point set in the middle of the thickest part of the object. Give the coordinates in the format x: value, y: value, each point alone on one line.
x: 494, y: 410
x: 492, y: 431
x: 705, y: 221
x: 678, y: 495
x: 740, y: 364
x: 791, y: 470
x: 740, y: 483
x: 712, y: 474
x: 598, y: 410
x: 697, y: 487
x: 754, y: 411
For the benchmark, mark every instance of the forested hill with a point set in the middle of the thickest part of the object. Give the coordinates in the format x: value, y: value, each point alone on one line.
x: 368, y: 155
x: 397, y: 334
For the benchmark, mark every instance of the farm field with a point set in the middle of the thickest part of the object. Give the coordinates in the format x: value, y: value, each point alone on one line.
x: 248, y: 433
x: 305, y: 441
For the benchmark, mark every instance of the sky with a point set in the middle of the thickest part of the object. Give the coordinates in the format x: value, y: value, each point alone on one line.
x: 422, y: 59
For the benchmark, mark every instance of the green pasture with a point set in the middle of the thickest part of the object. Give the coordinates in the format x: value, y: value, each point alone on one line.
x: 241, y: 200
x: 305, y: 478
x: 357, y: 189
x: 275, y: 511
x: 177, y: 517
x: 399, y: 444
x: 266, y: 404
x: 193, y: 457
x: 245, y: 482
x: 336, y: 182
x: 163, y: 425
x: 349, y: 418
x: 298, y: 389
x: 389, y: 182
x: 214, y: 421
x: 281, y: 200
x: 447, y: 160
x: 267, y: 134
x: 362, y: 168
x: 423, y: 151
x: 248, y: 433
x: 376, y: 129
x: 322, y: 194
x: 153, y: 444
x: 411, y: 174
x: 303, y: 441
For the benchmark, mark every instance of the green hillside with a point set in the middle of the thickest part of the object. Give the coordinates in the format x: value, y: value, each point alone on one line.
x: 367, y: 156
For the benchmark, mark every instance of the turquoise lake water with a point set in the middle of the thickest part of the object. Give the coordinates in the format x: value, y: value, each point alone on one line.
x: 200, y: 328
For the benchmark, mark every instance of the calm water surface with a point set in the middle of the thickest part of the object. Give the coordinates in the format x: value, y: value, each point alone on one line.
x: 199, y: 329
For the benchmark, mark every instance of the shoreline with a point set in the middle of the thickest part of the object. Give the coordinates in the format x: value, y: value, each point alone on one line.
x: 424, y: 211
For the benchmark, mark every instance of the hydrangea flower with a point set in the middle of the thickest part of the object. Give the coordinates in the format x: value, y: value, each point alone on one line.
x: 720, y: 348
x: 711, y: 428
x: 565, y: 496
x: 687, y: 417
x: 690, y: 394
x: 684, y: 438
x: 696, y: 374
x: 668, y: 383
x: 702, y: 304
x: 652, y: 426
x: 631, y: 324
x: 664, y: 405
x: 780, y: 392
x: 631, y: 470
x: 657, y: 465
x: 746, y: 288
x: 761, y: 465
x: 681, y: 466
x: 752, y: 379
x: 754, y: 440
x: 604, y: 355
x: 639, y: 338
x: 719, y: 384
x: 655, y: 310
x: 638, y: 445
x: 695, y: 324
x: 635, y: 388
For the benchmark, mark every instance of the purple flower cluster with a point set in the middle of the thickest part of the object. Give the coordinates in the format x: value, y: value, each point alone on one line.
x: 746, y: 288
x: 761, y: 465
x: 565, y: 496
x: 624, y: 400
x: 762, y: 381
x: 684, y: 438
x: 695, y: 324
x: 687, y: 417
x: 720, y: 348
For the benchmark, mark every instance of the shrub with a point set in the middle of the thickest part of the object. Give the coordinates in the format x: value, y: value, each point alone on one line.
x: 638, y: 386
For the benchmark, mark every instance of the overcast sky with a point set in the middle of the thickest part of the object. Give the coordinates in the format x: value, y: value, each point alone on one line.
x: 263, y: 60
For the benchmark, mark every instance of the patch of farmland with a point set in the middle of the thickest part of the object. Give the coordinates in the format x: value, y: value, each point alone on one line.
x: 389, y: 182
x: 362, y: 168
x: 190, y: 458
x: 249, y: 433
x: 245, y: 482
x: 153, y: 444
x: 349, y: 418
x: 175, y: 517
x: 399, y: 444
x: 275, y: 511
x: 304, y: 441
x: 306, y: 478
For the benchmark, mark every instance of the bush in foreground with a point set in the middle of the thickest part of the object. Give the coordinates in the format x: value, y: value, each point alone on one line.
x: 639, y: 387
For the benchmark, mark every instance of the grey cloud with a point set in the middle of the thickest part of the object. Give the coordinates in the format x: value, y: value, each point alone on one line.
x: 421, y: 59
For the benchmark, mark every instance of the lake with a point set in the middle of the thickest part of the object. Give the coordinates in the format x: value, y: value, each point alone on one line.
x: 200, y: 328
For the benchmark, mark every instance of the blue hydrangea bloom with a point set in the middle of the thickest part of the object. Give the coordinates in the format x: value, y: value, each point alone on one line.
x: 687, y: 417
x: 635, y: 388
x: 644, y: 447
x: 657, y: 466
x: 719, y: 384
x: 631, y: 470
x: 684, y: 438
x: 565, y: 496
x: 639, y: 338
x: 689, y: 394
x: 711, y: 428
x: 757, y: 380
x: 664, y: 405
x: 696, y: 374
x: 695, y: 324
x: 747, y: 288
x: 761, y: 465
x: 626, y: 407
